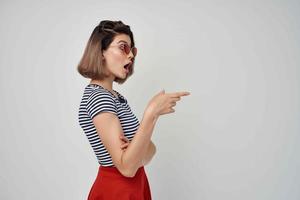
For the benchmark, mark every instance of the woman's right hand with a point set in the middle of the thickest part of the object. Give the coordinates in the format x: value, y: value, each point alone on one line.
x: 163, y: 103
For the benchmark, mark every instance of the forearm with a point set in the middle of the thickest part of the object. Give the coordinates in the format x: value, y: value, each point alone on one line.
x: 149, y: 154
x: 134, y: 155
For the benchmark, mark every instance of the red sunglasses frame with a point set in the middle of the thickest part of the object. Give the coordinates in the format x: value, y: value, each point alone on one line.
x: 125, y: 48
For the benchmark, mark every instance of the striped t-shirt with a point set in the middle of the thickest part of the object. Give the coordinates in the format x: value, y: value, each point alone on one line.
x: 95, y: 100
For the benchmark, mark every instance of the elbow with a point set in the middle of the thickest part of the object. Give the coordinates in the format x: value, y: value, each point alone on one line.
x: 126, y: 170
x: 129, y: 173
x: 126, y: 174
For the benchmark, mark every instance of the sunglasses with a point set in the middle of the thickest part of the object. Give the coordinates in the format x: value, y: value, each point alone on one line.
x: 126, y: 49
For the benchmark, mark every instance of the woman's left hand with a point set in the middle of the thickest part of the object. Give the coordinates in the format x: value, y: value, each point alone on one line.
x: 125, y: 142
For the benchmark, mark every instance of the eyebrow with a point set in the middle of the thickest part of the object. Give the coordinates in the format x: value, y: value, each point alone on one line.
x: 123, y: 41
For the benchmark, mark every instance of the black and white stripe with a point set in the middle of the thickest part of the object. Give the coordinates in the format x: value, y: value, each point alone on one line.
x: 97, y: 99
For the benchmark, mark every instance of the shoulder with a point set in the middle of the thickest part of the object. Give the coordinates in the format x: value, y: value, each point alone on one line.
x: 100, y: 101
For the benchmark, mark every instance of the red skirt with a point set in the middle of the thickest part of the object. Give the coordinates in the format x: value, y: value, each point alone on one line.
x: 110, y: 184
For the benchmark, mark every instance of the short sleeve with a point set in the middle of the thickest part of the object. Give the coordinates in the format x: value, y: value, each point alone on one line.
x: 100, y: 101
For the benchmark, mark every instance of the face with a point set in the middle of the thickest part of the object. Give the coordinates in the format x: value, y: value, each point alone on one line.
x: 115, y: 57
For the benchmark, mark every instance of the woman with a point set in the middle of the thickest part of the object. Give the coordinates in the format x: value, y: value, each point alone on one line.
x: 122, y: 145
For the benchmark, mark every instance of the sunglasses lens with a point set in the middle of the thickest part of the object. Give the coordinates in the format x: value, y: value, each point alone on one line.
x: 127, y: 50
x: 134, y: 51
x: 124, y: 48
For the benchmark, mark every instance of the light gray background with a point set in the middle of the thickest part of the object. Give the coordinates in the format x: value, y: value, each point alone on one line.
x: 235, y: 137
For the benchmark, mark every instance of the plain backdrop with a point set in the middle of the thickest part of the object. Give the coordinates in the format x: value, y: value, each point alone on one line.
x: 235, y: 137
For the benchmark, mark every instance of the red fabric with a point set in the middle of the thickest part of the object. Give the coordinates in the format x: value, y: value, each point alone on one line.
x: 110, y: 184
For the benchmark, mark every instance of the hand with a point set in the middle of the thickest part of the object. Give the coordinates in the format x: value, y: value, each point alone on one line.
x: 125, y: 142
x: 163, y: 103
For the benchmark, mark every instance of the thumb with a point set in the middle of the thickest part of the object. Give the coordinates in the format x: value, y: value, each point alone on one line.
x: 160, y: 92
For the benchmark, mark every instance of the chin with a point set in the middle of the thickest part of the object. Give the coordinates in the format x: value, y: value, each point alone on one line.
x: 122, y: 76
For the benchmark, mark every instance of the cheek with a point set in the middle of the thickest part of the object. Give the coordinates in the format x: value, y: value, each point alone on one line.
x: 117, y: 57
x: 114, y: 59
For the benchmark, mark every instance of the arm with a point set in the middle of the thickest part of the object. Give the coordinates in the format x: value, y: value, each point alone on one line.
x: 151, y: 150
x: 109, y: 129
x: 139, y: 151
x: 149, y: 154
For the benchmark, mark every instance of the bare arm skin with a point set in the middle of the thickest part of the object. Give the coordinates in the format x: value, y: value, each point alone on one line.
x: 151, y: 150
x: 150, y: 154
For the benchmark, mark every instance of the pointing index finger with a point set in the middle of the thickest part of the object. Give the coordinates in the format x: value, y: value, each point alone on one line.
x: 178, y: 94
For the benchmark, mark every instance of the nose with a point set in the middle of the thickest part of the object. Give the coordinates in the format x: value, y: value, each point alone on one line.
x: 130, y: 55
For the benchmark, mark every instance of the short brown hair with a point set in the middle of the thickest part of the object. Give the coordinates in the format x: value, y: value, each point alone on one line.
x: 91, y: 64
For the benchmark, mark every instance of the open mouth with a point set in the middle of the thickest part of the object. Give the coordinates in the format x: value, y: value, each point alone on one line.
x: 127, y: 67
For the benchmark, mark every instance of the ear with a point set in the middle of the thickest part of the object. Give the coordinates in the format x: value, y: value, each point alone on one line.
x: 103, y: 55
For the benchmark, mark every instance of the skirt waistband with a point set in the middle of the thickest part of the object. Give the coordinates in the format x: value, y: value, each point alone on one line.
x: 113, y: 171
